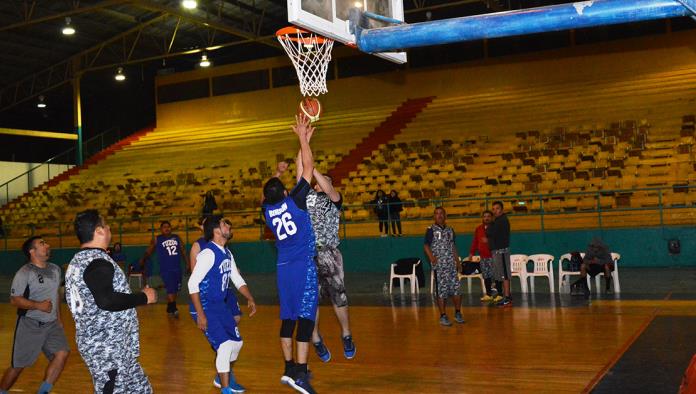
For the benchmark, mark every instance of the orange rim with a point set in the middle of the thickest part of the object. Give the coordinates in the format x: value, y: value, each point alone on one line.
x: 293, y: 33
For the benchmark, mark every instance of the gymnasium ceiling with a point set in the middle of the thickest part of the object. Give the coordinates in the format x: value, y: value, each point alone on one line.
x: 36, y: 58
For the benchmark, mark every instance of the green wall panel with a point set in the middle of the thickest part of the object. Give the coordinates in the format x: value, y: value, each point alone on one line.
x: 641, y: 247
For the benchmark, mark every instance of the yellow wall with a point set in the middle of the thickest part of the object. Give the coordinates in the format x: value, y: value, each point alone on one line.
x: 605, y: 64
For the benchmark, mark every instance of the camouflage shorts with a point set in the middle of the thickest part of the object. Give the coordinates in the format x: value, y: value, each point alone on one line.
x: 330, y: 273
x: 447, y: 280
x: 487, y: 267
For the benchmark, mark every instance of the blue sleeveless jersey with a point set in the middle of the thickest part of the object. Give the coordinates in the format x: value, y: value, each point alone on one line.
x: 213, y: 288
x: 292, y: 227
x: 169, y: 252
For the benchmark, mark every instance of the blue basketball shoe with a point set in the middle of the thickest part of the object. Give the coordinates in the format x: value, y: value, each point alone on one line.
x: 348, y: 347
x: 234, y: 386
x: 322, y: 351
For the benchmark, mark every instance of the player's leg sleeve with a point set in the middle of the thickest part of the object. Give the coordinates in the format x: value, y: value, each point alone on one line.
x: 227, y: 352
x: 304, y: 330
x: 286, y: 328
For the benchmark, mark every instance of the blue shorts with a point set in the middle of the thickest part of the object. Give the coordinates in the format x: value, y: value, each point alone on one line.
x: 172, y: 281
x: 298, y: 289
x: 232, y: 302
x: 221, y: 325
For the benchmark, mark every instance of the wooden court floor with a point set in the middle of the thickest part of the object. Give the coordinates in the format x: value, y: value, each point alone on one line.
x: 400, y: 349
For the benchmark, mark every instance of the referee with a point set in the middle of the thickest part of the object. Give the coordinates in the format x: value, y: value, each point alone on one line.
x: 35, y: 294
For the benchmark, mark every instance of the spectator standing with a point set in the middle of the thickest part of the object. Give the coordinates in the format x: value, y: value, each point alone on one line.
x: 395, y: 208
x: 381, y: 208
x: 209, y: 203
x: 480, y: 244
x: 498, y: 234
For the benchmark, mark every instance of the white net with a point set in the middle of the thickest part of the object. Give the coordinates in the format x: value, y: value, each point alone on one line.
x: 310, y: 54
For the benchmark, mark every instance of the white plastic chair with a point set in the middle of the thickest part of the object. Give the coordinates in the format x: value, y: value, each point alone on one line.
x: 461, y: 276
x: 518, y: 266
x: 562, y: 282
x: 411, y: 277
x: 543, y: 266
x: 614, y: 275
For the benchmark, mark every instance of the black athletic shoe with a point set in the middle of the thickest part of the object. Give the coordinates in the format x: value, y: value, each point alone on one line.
x: 301, y: 384
x: 506, y: 302
x: 288, y: 375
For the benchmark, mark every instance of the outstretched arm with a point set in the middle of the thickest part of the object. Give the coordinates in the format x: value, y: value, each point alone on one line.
x: 304, y: 130
x: 298, y: 160
x: 326, y: 186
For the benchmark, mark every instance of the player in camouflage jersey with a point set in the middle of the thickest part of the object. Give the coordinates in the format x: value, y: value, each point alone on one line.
x: 441, y: 249
x: 100, y: 299
x: 324, y: 207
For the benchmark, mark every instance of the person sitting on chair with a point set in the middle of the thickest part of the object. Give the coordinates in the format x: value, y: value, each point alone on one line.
x: 597, y: 260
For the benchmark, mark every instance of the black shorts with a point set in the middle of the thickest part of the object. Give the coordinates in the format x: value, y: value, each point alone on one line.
x: 596, y: 269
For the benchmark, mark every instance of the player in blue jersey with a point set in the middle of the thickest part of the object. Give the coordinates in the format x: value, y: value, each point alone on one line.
x: 208, y: 285
x: 170, y: 251
x: 231, y: 297
x: 286, y: 215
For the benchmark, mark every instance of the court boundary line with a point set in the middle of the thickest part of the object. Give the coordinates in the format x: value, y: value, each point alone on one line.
x: 623, y: 349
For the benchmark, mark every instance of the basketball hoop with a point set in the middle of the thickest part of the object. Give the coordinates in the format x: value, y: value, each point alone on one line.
x: 310, y: 54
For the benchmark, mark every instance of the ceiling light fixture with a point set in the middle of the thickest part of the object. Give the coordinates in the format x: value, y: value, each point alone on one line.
x: 41, y: 103
x: 204, y: 61
x: 68, y: 30
x: 120, y: 76
x: 189, y: 4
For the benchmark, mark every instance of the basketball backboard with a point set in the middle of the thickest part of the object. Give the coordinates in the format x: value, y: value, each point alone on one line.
x: 330, y: 18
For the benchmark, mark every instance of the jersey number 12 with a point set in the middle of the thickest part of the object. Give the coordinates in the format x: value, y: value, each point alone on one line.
x: 171, y: 250
x: 284, y: 226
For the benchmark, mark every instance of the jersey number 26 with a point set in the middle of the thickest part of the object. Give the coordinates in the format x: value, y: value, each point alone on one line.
x: 284, y: 226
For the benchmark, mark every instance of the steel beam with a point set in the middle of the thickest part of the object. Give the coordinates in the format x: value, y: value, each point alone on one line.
x: 75, y: 11
x: 212, y: 23
x: 512, y: 23
x: 62, y: 72
x: 38, y: 133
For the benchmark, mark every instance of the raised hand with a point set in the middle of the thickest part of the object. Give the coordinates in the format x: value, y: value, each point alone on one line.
x: 302, y: 127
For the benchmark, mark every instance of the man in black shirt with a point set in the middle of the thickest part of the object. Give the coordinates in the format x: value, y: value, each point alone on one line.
x: 498, y: 234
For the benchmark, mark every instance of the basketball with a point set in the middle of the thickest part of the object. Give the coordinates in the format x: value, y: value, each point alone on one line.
x: 311, y: 108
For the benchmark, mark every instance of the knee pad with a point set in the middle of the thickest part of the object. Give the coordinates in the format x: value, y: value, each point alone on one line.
x: 226, y: 353
x: 286, y: 328
x: 304, y: 330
